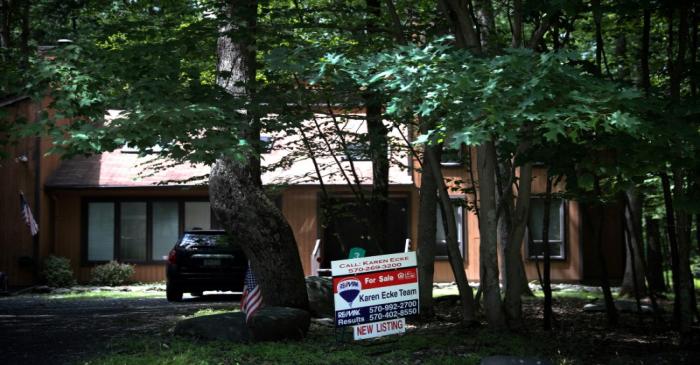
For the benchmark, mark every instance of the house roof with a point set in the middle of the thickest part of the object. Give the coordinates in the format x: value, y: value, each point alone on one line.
x: 283, y: 165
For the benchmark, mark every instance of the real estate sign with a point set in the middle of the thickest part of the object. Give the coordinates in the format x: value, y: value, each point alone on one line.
x: 375, y: 293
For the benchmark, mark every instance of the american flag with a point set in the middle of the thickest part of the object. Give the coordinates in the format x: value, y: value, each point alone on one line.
x: 27, y: 215
x: 251, y: 300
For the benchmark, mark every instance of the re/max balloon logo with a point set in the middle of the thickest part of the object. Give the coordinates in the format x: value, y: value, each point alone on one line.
x: 349, y: 289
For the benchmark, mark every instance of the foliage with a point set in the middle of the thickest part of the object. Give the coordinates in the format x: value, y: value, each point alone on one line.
x: 58, y: 272
x: 111, y: 274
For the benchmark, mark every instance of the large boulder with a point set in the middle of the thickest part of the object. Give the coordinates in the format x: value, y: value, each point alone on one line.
x: 320, y: 292
x: 279, y: 323
x: 225, y: 327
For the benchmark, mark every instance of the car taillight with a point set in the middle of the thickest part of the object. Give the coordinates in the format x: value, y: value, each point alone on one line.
x: 172, y: 257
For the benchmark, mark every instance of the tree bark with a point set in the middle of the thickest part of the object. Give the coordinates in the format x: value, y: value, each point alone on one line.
x: 5, y: 23
x: 488, y: 226
x: 598, y: 209
x: 633, y: 279
x: 516, y: 280
x: 453, y: 253
x: 265, y: 237
x: 427, y: 225
x: 235, y: 191
x: 379, y: 149
x: 654, y: 256
x: 546, y: 271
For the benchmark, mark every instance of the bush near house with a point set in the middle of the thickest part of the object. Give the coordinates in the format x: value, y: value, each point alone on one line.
x: 57, y: 272
x: 112, y: 274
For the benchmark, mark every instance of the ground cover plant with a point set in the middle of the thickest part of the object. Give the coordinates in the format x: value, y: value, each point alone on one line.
x: 577, y: 338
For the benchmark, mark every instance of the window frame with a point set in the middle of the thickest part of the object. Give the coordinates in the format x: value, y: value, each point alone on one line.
x: 461, y: 229
x: 563, y: 208
x: 117, y: 201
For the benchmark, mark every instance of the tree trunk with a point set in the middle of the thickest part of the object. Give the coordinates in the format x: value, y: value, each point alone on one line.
x: 488, y: 226
x: 264, y: 234
x: 546, y: 271
x: 379, y: 149
x: 633, y: 279
x: 5, y: 23
x: 516, y: 280
x: 654, y: 256
x: 235, y: 191
x: 598, y: 209
x: 427, y: 221
x: 453, y: 253
x: 672, y: 243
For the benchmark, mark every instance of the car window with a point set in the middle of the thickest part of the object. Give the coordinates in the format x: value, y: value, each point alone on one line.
x: 209, y: 240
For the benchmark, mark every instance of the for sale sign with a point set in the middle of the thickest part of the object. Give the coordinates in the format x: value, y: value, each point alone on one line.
x: 375, y: 293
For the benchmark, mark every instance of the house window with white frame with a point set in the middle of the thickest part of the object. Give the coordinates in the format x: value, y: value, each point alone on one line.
x: 556, y: 235
x: 441, y: 236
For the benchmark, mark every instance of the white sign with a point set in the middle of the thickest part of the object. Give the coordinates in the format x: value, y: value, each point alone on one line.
x: 377, y: 329
x: 373, y: 263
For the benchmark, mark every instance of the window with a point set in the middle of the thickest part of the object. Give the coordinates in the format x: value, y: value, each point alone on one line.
x: 441, y: 237
x: 100, y: 232
x: 140, y: 230
x: 556, y: 235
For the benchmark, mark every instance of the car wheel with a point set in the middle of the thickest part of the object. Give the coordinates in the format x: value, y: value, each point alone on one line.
x: 196, y: 293
x: 173, y: 294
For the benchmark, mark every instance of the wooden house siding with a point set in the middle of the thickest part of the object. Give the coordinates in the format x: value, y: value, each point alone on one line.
x: 16, y: 243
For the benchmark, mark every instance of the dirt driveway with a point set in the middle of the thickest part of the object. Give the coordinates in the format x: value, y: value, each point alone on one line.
x: 40, y: 330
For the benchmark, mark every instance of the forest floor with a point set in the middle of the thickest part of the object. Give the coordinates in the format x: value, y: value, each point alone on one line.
x: 132, y: 330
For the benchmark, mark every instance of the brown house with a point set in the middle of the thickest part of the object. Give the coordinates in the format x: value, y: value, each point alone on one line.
x: 109, y: 207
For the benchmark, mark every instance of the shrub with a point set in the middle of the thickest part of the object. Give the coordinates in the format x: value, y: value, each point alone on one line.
x: 58, y: 272
x: 112, y: 274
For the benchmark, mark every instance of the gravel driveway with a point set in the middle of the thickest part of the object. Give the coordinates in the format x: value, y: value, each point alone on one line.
x: 39, y: 330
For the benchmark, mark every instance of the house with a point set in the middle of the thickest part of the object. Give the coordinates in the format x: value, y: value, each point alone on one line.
x: 111, y: 207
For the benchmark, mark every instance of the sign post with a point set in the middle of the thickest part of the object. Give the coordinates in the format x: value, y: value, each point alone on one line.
x: 374, y: 294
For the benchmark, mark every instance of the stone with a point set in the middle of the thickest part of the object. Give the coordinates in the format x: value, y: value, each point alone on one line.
x: 279, y: 323
x: 320, y: 292
x: 513, y: 360
x: 42, y: 289
x: 61, y: 291
x: 224, y: 327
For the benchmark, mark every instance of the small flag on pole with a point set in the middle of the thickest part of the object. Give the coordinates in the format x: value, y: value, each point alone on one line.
x: 251, y: 300
x: 27, y: 215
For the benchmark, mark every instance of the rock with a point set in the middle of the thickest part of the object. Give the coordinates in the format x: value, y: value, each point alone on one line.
x: 61, y: 291
x: 279, y: 323
x: 320, y: 292
x: 42, y: 289
x: 225, y: 326
x: 513, y: 360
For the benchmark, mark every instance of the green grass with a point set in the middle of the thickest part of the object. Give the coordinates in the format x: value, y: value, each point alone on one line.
x: 440, y: 347
x: 572, y: 294
x: 211, y: 311
x: 106, y: 294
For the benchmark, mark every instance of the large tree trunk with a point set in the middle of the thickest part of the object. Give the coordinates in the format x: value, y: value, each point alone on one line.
x: 235, y: 191
x: 488, y: 226
x: 633, y: 280
x: 427, y: 221
x: 599, y: 213
x: 264, y: 235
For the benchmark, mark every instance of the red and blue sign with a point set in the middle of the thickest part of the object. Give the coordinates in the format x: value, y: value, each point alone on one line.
x: 375, y: 289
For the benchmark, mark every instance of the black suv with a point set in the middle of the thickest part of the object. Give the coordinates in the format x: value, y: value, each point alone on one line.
x: 204, y: 260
